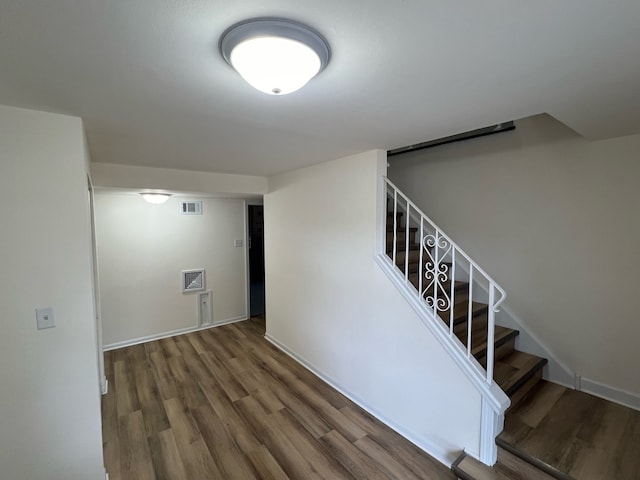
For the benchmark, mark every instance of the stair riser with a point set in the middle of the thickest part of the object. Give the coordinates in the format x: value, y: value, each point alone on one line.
x: 461, y: 297
x: 500, y: 352
x: 401, y: 243
x: 523, y: 390
x: 461, y: 315
x: 478, y: 323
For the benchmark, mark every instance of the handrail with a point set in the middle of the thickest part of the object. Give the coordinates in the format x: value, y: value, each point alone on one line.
x: 441, y: 260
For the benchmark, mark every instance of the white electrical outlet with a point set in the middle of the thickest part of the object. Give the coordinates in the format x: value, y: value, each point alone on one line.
x: 45, y: 318
x: 237, y: 243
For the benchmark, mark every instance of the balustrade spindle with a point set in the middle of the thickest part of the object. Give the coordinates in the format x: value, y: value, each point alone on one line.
x: 421, y: 264
x: 491, y: 330
x: 406, y: 243
x: 453, y: 291
x: 395, y: 224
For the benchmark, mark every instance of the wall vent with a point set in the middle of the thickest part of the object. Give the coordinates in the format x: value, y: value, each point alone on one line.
x: 193, y: 280
x: 191, y: 207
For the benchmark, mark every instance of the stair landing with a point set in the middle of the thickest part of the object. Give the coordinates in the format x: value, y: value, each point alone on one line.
x: 574, y: 435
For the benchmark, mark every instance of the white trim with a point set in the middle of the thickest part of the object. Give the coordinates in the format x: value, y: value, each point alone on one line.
x: 491, y: 425
x: 172, y: 333
x: 209, y: 298
x: 443, y: 456
x: 247, y: 280
x: 612, y: 394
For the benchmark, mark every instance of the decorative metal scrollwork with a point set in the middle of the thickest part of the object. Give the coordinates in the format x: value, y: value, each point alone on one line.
x: 436, y: 273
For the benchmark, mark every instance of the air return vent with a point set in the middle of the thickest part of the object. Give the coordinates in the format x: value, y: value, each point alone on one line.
x: 191, y: 207
x: 193, y: 280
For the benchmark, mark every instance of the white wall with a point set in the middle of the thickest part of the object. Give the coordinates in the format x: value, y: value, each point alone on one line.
x: 554, y: 219
x: 49, y: 400
x: 142, y: 248
x: 330, y: 304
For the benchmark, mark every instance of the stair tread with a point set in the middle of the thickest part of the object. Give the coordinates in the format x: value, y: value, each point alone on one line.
x: 479, y: 339
x: 401, y: 228
x: 508, y: 467
x: 461, y: 289
x: 461, y: 311
x: 513, y: 370
x: 533, y: 461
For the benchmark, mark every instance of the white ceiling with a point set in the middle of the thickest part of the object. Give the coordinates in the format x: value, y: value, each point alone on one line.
x: 147, y: 78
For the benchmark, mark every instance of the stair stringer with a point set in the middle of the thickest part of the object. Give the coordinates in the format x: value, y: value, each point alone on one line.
x: 494, y: 401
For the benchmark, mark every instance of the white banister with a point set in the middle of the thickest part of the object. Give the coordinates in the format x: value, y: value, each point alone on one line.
x: 491, y: 328
x: 440, y: 260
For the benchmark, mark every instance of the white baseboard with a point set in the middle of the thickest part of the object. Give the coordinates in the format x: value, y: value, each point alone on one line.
x: 612, y: 394
x: 172, y: 333
x: 443, y: 456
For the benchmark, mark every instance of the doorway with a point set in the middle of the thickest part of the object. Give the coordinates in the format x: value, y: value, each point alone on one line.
x: 256, y: 260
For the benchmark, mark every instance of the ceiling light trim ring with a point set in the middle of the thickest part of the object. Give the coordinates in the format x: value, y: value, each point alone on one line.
x: 274, y: 27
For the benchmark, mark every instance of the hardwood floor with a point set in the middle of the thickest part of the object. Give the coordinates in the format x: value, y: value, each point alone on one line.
x: 225, y: 404
x: 576, y: 434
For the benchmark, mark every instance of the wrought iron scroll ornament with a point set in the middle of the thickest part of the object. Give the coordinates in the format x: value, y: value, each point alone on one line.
x: 436, y: 247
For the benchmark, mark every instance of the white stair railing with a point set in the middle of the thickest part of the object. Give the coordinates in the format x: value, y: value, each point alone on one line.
x: 456, y: 290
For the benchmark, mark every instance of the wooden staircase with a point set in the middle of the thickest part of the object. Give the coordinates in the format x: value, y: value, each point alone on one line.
x: 516, y: 372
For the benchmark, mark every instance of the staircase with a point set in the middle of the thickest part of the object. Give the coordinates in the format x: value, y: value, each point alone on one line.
x: 516, y: 372
x: 550, y: 431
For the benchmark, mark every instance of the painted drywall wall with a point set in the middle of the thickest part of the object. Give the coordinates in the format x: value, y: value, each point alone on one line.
x: 330, y: 304
x: 554, y: 219
x: 128, y: 176
x: 50, y: 398
x: 142, y: 249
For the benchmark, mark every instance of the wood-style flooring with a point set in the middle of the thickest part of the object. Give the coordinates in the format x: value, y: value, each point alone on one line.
x: 225, y: 404
x: 576, y: 434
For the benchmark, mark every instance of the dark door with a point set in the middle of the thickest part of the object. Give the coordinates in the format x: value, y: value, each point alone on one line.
x: 256, y: 260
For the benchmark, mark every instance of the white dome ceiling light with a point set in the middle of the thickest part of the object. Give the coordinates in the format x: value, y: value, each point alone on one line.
x: 155, y: 198
x: 274, y: 55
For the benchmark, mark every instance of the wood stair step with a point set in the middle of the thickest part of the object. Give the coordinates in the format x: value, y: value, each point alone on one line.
x: 517, y: 373
x: 550, y: 471
x: 503, y: 336
x: 414, y: 256
x: 461, y: 311
x: 508, y: 467
x: 461, y: 289
x: 401, y: 242
x: 400, y: 228
x: 401, y: 247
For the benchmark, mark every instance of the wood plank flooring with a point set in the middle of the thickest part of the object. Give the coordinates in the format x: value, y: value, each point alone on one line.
x: 580, y: 435
x: 225, y: 404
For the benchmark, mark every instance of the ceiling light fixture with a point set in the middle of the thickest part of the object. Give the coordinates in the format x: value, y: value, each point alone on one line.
x: 155, y: 198
x: 275, y: 55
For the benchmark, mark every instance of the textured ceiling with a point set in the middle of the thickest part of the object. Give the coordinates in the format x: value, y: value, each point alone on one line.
x: 148, y: 81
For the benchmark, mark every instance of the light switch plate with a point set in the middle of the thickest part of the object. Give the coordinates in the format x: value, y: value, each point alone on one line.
x: 45, y: 318
x: 237, y: 243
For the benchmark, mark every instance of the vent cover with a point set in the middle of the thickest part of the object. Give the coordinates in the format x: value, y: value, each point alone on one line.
x: 193, y: 280
x: 191, y: 207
